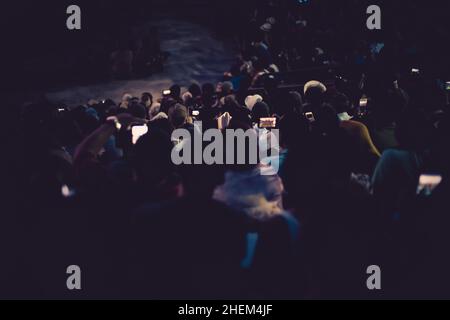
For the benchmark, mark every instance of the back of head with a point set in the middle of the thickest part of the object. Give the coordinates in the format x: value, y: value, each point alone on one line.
x: 260, y: 110
x: 152, y: 159
x: 166, y: 104
x: 293, y: 103
x: 175, y: 91
x: 178, y: 115
x: 195, y: 90
x: 209, y: 95
x: 327, y: 121
x: 227, y: 88
x: 315, y: 92
x: 147, y: 99
x: 138, y: 110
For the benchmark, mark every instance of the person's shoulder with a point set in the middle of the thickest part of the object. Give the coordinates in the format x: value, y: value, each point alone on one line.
x: 354, y: 124
x: 394, y: 153
x: 391, y: 155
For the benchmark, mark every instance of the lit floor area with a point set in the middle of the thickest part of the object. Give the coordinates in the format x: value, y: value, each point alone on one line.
x: 195, y: 55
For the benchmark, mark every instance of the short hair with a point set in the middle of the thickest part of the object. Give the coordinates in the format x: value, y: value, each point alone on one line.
x: 178, y: 115
x: 138, y: 110
x: 227, y: 88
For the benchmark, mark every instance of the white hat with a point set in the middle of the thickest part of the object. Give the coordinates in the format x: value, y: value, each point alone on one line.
x: 250, y: 101
x: 314, y: 84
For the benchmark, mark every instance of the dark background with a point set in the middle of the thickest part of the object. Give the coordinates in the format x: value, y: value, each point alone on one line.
x: 35, y: 38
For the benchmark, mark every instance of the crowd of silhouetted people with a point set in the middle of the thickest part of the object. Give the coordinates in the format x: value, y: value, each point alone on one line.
x: 362, y: 180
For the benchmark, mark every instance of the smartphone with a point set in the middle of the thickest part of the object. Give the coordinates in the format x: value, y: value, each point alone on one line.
x: 363, y: 102
x: 138, y: 131
x: 415, y: 71
x: 67, y: 192
x: 310, y: 117
x: 195, y: 113
x: 268, y: 123
x: 427, y: 183
x: 167, y: 93
x: 447, y: 86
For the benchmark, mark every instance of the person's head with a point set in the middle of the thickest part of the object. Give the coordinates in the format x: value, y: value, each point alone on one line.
x: 293, y: 104
x: 166, y: 104
x: 147, y: 99
x: 315, y: 92
x: 327, y: 121
x: 227, y: 88
x: 195, y: 90
x: 178, y: 115
x: 260, y: 110
x: 209, y: 97
x: 236, y: 111
x: 152, y: 161
x: 341, y: 103
x: 138, y: 110
x: 175, y: 91
x: 126, y: 98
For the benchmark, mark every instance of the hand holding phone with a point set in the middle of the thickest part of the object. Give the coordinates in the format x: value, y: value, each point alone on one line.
x: 310, y: 117
x: 363, y: 102
x: 427, y: 183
